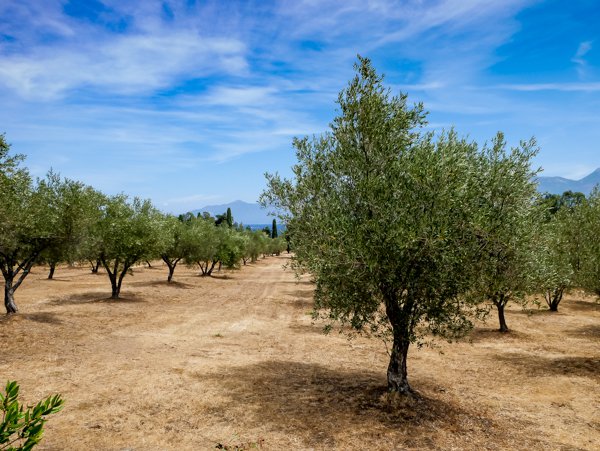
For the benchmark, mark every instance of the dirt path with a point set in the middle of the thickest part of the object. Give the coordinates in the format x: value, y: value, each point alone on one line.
x: 235, y: 360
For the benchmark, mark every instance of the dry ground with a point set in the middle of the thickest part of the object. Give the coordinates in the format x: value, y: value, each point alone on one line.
x: 235, y: 360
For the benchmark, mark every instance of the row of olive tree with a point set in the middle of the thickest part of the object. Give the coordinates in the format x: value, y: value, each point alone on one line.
x: 568, y: 248
x: 407, y: 233
x: 57, y: 220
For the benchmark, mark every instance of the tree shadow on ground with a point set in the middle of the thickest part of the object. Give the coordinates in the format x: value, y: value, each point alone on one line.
x: 537, y: 365
x: 301, y: 299
x: 38, y: 317
x: 582, y: 306
x: 542, y: 310
x: 43, y: 317
x: 92, y: 297
x: 329, y: 408
x: 312, y: 328
x: 161, y: 283
x: 591, y: 332
x: 480, y: 334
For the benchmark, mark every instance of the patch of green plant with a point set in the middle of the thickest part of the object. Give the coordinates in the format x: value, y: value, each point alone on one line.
x: 22, y: 427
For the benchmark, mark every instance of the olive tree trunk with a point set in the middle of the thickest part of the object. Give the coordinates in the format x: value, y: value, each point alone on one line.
x: 116, y: 275
x: 553, y: 298
x: 51, y: 272
x: 501, y: 319
x: 14, y: 273
x: 9, y: 298
x: 171, y: 265
x: 400, y: 320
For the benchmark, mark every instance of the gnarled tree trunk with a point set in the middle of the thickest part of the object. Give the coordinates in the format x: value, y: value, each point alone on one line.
x: 9, y: 298
x: 171, y: 264
x: 553, y: 298
x: 500, y: 304
x: 400, y: 320
x: 52, y: 268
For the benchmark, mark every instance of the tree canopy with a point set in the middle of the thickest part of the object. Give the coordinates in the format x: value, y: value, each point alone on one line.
x: 384, y: 216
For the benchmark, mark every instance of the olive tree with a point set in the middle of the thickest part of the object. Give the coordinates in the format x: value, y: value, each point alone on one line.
x: 554, y: 269
x: 584, y: 242
x: 382, y: 215
x: 78, y: 208
x: 128, y: 232
x: 202, y: 247
x: 507, y: 223
x: 173, y: 247
x: 28, y: 222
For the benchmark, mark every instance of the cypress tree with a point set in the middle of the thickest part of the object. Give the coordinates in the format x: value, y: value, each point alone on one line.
x: 274, y: 229
x: 229, y: 218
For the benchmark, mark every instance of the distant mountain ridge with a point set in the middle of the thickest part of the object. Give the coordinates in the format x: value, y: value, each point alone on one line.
x: 558, y: 185
x: 242, y: 212
x: 252, y: 213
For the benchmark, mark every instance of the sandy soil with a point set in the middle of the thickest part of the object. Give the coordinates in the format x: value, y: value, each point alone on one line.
x: 235, y: 360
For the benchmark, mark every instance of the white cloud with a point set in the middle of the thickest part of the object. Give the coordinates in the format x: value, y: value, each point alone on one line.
x: 122, y: 64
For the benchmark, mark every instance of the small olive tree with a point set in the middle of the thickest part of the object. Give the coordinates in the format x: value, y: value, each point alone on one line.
x: 128, y: 232
x: 383, y: 216
x: 173, y: 242
x: 554, y: 270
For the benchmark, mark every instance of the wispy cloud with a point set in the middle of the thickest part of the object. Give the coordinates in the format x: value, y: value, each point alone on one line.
x: 579, y: 60
x: 160, y: 97
x: 566, y: 87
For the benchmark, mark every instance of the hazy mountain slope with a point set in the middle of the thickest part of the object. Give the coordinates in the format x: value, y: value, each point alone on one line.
x: 558, y: 185
x: 242, y: 212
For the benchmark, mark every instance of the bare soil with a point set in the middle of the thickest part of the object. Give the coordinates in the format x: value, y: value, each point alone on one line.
x: 235, y: 361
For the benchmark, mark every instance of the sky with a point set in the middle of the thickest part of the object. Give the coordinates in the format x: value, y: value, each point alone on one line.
x: 189, y: 103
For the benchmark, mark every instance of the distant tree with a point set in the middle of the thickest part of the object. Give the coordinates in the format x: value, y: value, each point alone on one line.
x: 202, y: 246
x: 553, y: 269
x: 230, y: 247
x: 553, y: 203
x: 267, y: 231
x: 584, y: 243
x: 256, y: 243
x: 173, y: 242
x: 129, y: 233
x: 384, y: 218
x: 229, y: 218
x: 274, y: 229
x: 221, y: 219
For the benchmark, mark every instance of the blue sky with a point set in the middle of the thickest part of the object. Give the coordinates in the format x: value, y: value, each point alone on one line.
x: 190, y: 102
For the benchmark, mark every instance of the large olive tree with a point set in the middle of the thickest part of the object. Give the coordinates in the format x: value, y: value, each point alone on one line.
x: 383, y: 216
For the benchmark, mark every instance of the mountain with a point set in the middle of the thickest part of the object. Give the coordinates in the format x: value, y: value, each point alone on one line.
x: 558, y: 185
x: 242, y: 212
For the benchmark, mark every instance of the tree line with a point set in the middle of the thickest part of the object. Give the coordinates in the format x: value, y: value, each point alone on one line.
x: 408, y: 233
x: 57, y: 220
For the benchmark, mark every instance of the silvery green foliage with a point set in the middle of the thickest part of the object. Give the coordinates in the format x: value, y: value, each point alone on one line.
x: 386, y: 218
x: 127, y: 232
x: 507, y: 224
x: 585, y: 244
